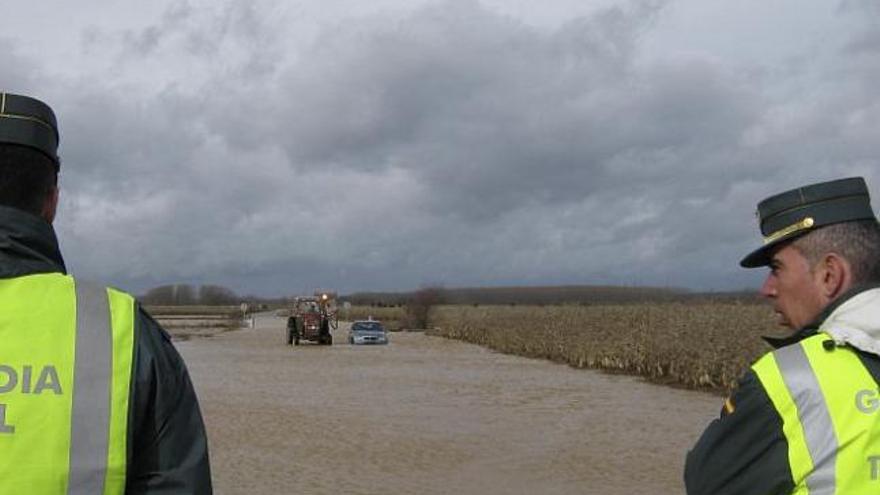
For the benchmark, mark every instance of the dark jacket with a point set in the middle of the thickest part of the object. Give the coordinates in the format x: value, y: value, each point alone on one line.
x: 167, y: 448
x: 745, y: 452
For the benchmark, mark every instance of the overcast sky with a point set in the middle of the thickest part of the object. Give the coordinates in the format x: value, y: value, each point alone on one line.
x: 276, y: 147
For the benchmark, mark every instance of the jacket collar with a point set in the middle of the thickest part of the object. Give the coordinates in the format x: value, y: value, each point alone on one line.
x: 830, y: 318
x: 856, y: 322
x: 27, y: 245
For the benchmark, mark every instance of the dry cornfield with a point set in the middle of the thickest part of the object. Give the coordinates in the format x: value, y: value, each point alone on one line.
x: 391, y: 317
x: 695, y: 345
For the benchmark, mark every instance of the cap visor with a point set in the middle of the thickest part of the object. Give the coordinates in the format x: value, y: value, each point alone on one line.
x: 757, y: 258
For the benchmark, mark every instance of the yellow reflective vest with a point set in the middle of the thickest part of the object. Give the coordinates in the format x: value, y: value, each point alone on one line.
x: 66, y: 353
x: 830, y: 409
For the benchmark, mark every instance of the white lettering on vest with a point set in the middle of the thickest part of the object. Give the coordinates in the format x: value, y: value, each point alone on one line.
x: 875, y: 467
x: 5, y: 428
x: 867, y: 401
x: 48, y: 380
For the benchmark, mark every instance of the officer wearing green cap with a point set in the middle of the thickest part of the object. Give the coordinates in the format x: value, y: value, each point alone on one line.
x: 94, y: 399
x: 806, y: 416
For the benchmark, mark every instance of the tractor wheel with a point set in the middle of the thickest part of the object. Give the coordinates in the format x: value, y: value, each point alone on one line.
x: 326, y: 338
x: 292, y: 333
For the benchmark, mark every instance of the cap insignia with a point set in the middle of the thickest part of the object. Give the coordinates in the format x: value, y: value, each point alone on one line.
x: 802, y: 225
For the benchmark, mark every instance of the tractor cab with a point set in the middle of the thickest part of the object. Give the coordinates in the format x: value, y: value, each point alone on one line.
x: 311, y: 319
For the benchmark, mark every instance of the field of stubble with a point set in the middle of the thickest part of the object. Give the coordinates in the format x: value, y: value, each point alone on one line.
x: 704, y: 345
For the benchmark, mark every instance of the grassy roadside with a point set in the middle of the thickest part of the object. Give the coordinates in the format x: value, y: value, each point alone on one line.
x: 185, y: 322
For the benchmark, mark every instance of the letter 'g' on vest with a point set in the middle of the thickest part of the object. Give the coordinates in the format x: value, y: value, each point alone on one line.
x: 824, y: 397
x: 65, y: 374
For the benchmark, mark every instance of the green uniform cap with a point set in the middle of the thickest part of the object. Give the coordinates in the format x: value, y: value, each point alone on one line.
x: 792, y: 214
x: 28, y: 122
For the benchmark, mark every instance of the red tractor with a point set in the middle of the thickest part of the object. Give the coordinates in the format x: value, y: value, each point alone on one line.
x: 312, y: 318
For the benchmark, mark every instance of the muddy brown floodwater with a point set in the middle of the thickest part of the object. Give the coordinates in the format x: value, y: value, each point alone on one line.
x: 428, y: 415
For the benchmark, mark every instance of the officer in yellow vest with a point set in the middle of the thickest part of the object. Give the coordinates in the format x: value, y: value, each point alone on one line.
x: 806, y: 417
x: 93, y: 397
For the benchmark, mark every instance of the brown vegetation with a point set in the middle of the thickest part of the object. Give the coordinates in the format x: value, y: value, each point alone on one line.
x: 391, y: 317
x: 420, y: 307
x: 696, y: 345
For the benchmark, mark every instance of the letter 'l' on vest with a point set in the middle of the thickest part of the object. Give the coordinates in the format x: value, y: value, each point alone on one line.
x: 826, y: 399
x: 66, y: 352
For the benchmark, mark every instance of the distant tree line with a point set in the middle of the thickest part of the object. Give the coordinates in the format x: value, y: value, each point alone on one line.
x: 208, y: 295
x: 186, y: 294
x: 549, y: 295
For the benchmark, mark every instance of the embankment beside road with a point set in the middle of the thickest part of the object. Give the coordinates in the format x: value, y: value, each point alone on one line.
x: 695, y: 345
x: 185, y: 322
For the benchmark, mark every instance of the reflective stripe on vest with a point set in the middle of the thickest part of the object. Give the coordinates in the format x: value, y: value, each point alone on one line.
x: 831, y: 439
x: 65, y: 373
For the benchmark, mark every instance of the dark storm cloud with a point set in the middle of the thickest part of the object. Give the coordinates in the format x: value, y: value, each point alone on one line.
x: 565, y: 121
x: 494, y: 114
x: 452, y: 144
x: 498, y: 120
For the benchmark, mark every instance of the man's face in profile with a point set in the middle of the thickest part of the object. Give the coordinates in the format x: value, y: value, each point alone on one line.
x: 792, y: 287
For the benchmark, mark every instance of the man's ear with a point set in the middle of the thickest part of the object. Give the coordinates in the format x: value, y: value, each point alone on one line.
x: 834, y: 275
x: 50, y: 205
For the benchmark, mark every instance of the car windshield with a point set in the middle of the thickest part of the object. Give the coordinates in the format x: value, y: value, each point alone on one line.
x: 369, y: 326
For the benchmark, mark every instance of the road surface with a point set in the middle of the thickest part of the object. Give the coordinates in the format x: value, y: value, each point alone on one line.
x: 428, y: 415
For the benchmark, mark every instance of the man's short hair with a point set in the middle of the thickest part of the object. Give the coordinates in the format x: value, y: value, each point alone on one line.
x: 858, y: 242
x: 27, y: 176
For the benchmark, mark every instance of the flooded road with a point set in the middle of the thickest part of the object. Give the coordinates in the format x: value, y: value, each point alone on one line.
x: 431, y: 416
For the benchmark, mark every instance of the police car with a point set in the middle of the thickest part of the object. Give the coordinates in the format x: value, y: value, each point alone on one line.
x: 367, y: 332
